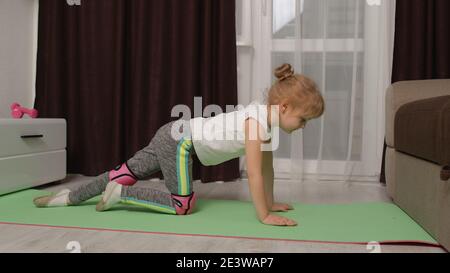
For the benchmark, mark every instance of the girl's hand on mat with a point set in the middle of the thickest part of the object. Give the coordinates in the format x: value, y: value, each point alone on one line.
x: 281, y: 207
x: 276, y: 220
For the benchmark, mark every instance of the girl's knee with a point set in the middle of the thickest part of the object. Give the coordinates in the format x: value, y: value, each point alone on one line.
x: 123, y: 175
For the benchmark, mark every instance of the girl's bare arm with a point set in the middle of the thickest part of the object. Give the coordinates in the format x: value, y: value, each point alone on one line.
x: 254, y: 158
x: 268, y: 174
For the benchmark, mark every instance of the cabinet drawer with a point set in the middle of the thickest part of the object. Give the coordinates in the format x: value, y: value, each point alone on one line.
x: 29, y: 136
x: 27, y: 171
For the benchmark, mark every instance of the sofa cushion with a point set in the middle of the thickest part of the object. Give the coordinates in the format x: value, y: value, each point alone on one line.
x: 422, y: 129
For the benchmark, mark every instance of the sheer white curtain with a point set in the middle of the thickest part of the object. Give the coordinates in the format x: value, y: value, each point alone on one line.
x: 327, y: 39
x: 346, y: 47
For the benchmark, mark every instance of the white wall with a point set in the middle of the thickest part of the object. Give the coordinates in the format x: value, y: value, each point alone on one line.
x: 18, y: 44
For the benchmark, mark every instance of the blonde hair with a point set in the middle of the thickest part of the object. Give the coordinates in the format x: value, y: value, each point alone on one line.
x: 300, y: 90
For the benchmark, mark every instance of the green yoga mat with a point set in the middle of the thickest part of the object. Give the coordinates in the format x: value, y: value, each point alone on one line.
x: 354, y: 223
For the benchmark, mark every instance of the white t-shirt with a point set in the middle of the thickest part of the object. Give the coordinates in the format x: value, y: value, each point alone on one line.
x: 222, y: 138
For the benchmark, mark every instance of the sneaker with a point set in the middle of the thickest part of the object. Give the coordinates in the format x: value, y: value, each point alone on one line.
x: 60, y: 199
x: 110, y: 197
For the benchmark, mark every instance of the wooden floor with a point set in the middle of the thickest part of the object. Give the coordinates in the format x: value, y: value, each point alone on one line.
x: 15, y: 238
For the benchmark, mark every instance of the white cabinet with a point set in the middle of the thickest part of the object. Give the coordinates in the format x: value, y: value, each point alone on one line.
x: 32, y: 153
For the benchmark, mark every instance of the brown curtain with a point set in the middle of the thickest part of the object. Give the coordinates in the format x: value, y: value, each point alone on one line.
x: 422, y: 43
x: 115, y: 68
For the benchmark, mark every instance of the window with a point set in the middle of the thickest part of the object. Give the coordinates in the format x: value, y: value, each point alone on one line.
x: 336, y: 45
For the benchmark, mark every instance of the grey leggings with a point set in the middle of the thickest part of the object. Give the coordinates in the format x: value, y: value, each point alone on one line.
x: 164, y: 153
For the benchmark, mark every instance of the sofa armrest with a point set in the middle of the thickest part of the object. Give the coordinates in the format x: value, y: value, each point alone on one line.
x: 402, y: 93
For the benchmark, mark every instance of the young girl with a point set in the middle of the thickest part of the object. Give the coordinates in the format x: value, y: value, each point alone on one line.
x: 292, y: 101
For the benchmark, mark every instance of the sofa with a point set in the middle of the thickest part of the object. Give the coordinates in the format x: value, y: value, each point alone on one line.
x: 418, y: 153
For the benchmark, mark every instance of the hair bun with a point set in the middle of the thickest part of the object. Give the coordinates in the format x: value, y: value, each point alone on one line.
x: 283, y: 72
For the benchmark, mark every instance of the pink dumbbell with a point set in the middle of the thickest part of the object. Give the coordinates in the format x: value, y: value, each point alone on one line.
x: 18, y: 111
